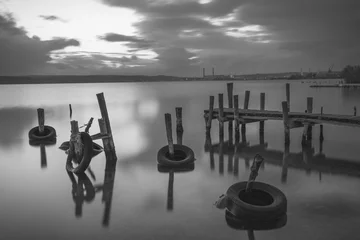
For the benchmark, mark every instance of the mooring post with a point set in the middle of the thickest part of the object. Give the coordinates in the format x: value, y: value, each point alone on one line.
x: 309, y: 110
x: 43, y: 156
x: 246, y: 106
x: 321, y: 138
x: 286, y: 122
x: 236, y: 118
x: 284, y: 170
x: 103, y: 131
x: 236, y: 160
x: 288, y: 95
x: 230, y: 88
x: 354, y: 110
x: 210, y: 116
x: 70, y: 111
x: 41, y: 120
x: 75, y: 139
x: 170, y: 196
x: 221, y: 156
x: 262, y: 123
x: 105, y: 116
x: 221, y: 117
x: 179, y: 126
x: 169, y: 134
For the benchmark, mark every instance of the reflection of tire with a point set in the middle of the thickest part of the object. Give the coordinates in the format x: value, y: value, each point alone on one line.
x: 265, y: 202
x: 96, y: 147
x: 183, y: 155
x: 49, y: 133
x: 185, y: 168
x: 44, y: 142
x: 245, y: 224
x: 89, y: 187
x: 86, y: 157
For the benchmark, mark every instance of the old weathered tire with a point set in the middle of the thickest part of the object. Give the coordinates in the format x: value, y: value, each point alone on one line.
x: 245, y: 224
x: 96, y: 147
x: 183, y: 155
x: 180, y: 169
x: 86, y: 158
x: 44, y: 142
x: 49, y: 133
x: 267, y: 202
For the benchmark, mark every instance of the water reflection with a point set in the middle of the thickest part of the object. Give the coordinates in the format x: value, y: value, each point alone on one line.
x: 42, y: 147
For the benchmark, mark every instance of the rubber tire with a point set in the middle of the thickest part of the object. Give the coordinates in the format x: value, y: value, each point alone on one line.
x: 181, y: 169
x: 34, y: 133
x: 242, y: 209
x: 44, y: 142
x: 163, y: 160
x: 245, y: 224
x: 96, y: 147
x: 87, y: 155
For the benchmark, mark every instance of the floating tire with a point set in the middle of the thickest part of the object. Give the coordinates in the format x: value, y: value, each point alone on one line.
x: 86, y: 157
x: 96, y: 147
x: 245, y: 224
x: 181, y: 169
x: 264, y: 202
x: 183, y: 155
x: 48, y: 134
x: 44, y: 142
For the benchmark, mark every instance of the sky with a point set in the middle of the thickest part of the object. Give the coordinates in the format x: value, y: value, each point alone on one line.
x: 176, y: 37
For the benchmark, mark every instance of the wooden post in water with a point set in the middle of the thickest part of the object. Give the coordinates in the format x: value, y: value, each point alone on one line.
x: 286, y: 122
x: 221, y: 156
x: 262, y: 123
x: 309, y: 110
x: 43, y: 156
x: 246, y: 106
x: 354, y: 110
x: 230, y: 87
x: 179, y: 127
x: 321, y: 138
x: 70, y: 111
x: 230, y: 162
x: 211, y: 151
x: 169, y: 134
x: 105, y: 116
x: 103, y: 131
x: 221, y: 117
x: 210, y: 116
x: 284, y: 170
x: 288, y: 95
x: 75, y: 139
x: 170, y: 196
x: 88, y: 125
x: 41, y: 120
x: 236, y: 117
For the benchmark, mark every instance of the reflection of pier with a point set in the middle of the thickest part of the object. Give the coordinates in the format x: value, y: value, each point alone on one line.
x: 305, y: 160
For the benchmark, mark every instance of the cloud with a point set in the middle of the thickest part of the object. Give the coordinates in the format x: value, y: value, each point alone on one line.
x: 133, y: 42
x: 21, y: 54
x: 52, y: 18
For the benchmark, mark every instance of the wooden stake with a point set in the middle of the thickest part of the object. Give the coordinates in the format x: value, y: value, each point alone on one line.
x: 288, y: 95
x: 230, y: 87
x: 243, y: 125
x: 221, y: 116
x: 236, y: 117
x: 262, y: 123
x: 75, y: 139
x: 179, y: 127
x: 169, y: 134
x: 286, y: 122
x: 41, y: 120
x: 88, y: 126
x: 70, y: 111
x: 210, y: 116
x: 105, y: 116
x: 103, y: 131
x: 247, y: 99
x: 309, y: 107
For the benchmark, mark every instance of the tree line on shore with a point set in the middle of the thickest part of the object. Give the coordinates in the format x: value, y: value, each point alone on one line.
x: 351, y: 74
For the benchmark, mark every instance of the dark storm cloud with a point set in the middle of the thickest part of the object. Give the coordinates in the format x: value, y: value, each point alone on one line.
x: 51, y: 18
x: 133, y: 42
x: 20, y: 54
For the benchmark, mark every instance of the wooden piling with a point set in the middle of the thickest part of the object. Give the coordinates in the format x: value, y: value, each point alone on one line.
x: 262, y: 123
x: 243, y: 125
x: 103, y: 131
x: 105, y: 116
x: 321, y: 139
x: 41, y: 120
x: 247, y: 99
x: 43, y: 156
x: 221, y: 116
x: 170, y: 196
x: 179, y: 126
x: 70, y: 109
x: 309, y: 110
x: 288, y: 96
x: 169, y: 134
x: 354, y: 110
x: 230, y: 89
x: 236, y: 117
x: 75, y: 139
x: 286, y: 122
x: 284, y: 170
x: 210, y: 116
x: 211, y: 152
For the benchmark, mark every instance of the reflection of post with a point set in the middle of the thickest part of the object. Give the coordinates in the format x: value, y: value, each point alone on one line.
x: 236, y: 160
x: 108, y: 187
x: 321, y: 138
x: 306, y: 151
x: 230, y: 87
x: 286, y: 122
x: 230, y: 162
x: 251, y: 235
x: 236, y: 117
x: 284, y: 169
x: 309, y: 110
x: 208, y: 145
x: 221, y: 157
x: 170, y: 196
x: 262, y: 123
x: 43, y: 156
x: 247, y: 163
x: 243, y: 125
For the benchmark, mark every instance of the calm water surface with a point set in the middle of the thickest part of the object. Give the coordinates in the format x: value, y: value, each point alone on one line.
x: 36, y: 200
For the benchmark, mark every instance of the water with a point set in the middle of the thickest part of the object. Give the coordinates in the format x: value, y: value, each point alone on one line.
x: 36, y: 200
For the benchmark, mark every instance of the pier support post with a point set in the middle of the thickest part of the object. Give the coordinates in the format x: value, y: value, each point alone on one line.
x: 286, y: 122
x: 221, y: 157
x: 246, y: 106
x: 262, y: 123
x: 288, y: 95
x: 321, y: 138
x: 221, y: 117
x: 354, y: 110
x: 41, y: 120
x: 210, y: 116
x: 230, y: 88
x: 169, y: 134
x: 179, y: 126
x: 236, y: 117
x: 309, y: 110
